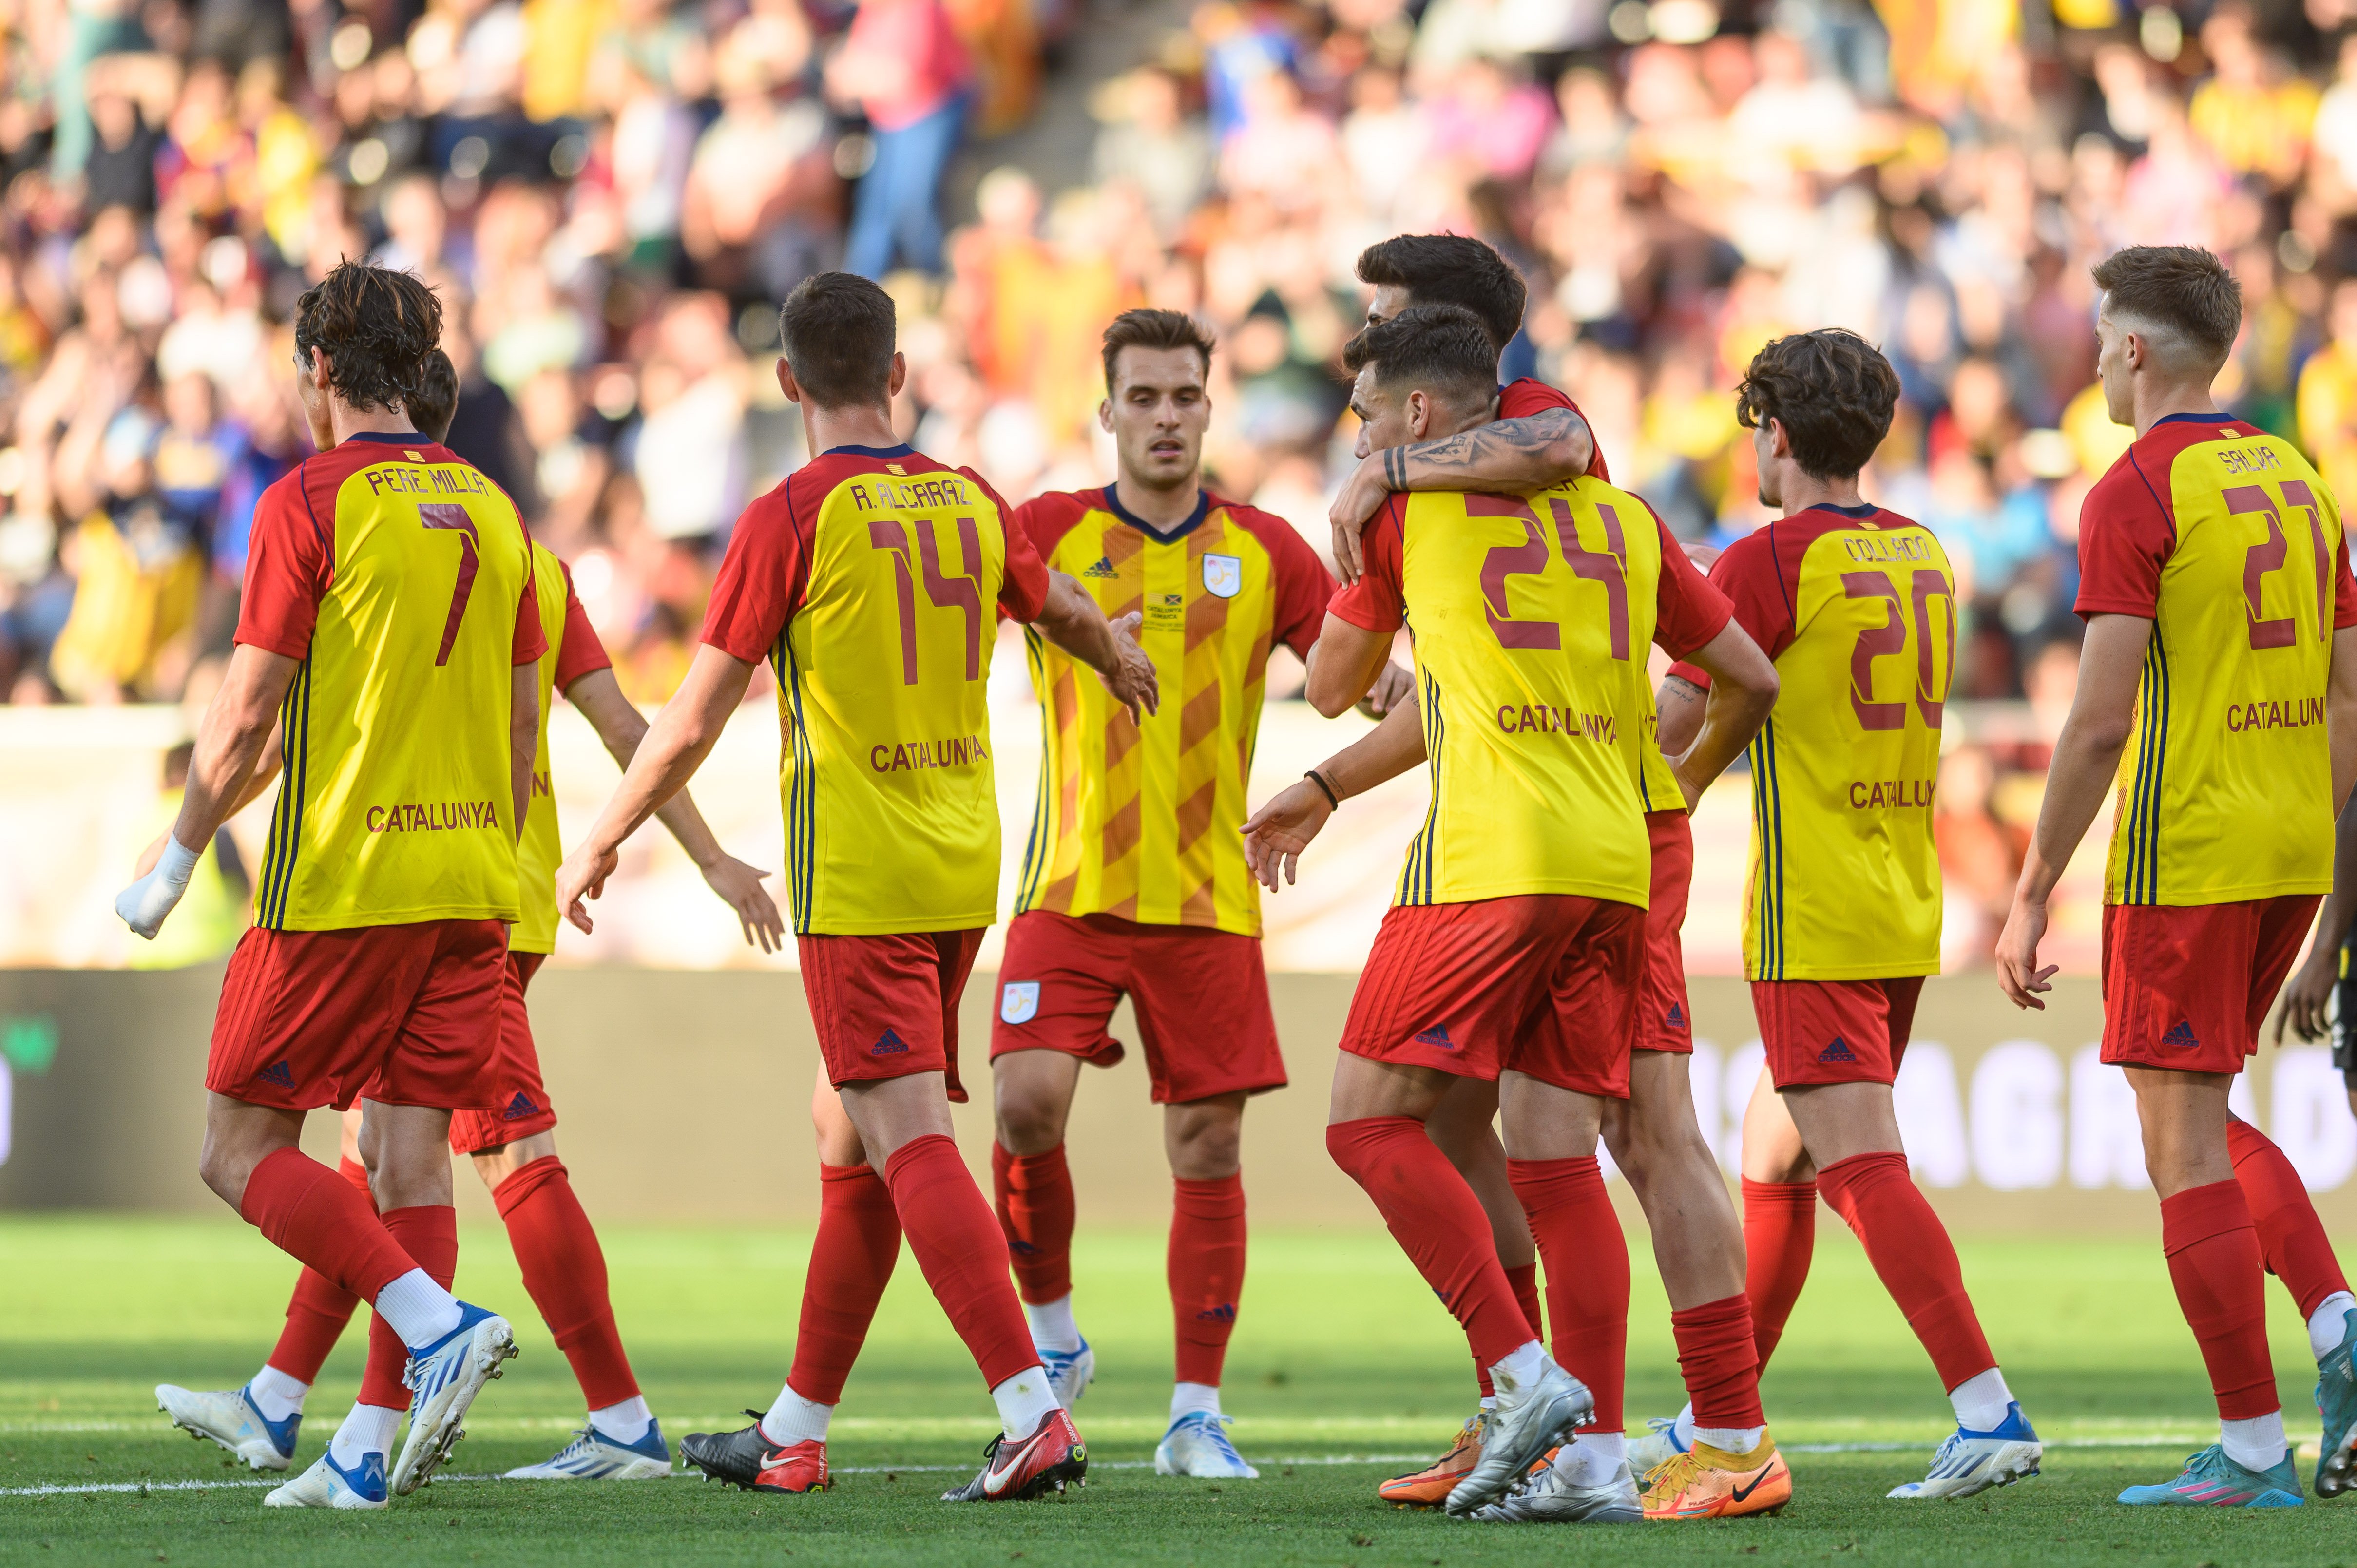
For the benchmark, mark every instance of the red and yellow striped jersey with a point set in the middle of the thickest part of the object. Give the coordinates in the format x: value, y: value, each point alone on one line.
x: 2226, y: 539
x: 1532, y: 616
x: 574, y: 650
x: 868, y: 579
x: 1142, y: 821
x: 401, y: 579
x: 1857, y: 608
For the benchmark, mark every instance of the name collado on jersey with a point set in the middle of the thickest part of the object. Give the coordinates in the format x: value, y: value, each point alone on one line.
x: 432, y: 817
x: 958, y: 751
x: 877, y: 492
x: 1540, y: 718
x: 399, y: 480
x: 2298, y: 714
x: 1880, y: 547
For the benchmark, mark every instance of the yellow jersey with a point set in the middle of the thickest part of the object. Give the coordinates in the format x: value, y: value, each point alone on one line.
x: 1142, y: 822
x: 401, y: 579
x: 869, y: 579
x: 1532, y: 617
x: 2225, y: 538
x: 574, y: 650
x: 1857, y: 608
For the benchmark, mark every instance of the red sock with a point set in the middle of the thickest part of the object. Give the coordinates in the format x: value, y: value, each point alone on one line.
x: 2291, y: 1237
x: 564, y: 1273
x: 1720, y: 1360
x: 1207, y: 1272
x: 1035, y: 1209
x: 1437, y: 1220
x: 1779, y: 1232
x: 1579, y: 1240
x: 963, y: 1254
x: 850, y: 1263
x: 318, y: 1311
x: 2213, y: 1261
x: 429, y: 1233
x: 1910, y: 1250
x: 309, y: 1212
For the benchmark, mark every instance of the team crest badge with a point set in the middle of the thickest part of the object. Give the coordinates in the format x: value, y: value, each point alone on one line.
x: 1018, y: 1001
x: 1223, y: 576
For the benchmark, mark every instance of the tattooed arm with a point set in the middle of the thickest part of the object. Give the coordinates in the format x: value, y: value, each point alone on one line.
x: 1514, y: 454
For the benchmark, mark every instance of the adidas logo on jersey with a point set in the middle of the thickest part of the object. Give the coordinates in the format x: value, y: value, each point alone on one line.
x: 1437, y: 1036
x: 1223, y: 1313
x: 1677, y: 1017
x: 1103, y: 568
x: 278, y: 1073
x: 2181, y: 1037
x: 519, y: 1108
x: 888, y: 1044
x: 1838, y: 1051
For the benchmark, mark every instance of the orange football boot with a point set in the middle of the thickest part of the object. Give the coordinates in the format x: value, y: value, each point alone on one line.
x: 1429, y: 1487
x: 1711, y: 1482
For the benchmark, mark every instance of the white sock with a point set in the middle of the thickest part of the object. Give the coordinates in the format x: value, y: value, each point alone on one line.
x: 1729, y: 1439
x: 1980, y: 1400
x: 793, y: 1419
x: 2257, y: 1444
x: 1188, y: 1398
x: 1519, y: 1371
x: 1052, y: 1328
x: 1024, y: 1401
x: 276, y: 1395
x: 1490, y: 1403
x: 368, y: 1430
x: 417, y: 1309
x: 1592, y: 1458
x: 2325, y: 1324
x: 624, y: 1422
x: 1685, y: 1430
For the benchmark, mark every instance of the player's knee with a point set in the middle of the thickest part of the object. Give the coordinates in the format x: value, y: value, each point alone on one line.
x: 1029, y: 1123
x: 1207, y: 1148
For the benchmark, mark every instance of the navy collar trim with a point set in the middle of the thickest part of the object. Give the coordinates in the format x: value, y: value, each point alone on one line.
x: 1195, y: 520
x: 1861, y: 512
x: 2196, y: 419
x: 395, y: 437
x: 902, y: 450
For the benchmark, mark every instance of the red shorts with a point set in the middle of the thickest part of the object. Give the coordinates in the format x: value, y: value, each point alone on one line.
x: 524, y: 1108
x: 1664, y: 1021
x: 1202, y: 998
x: 1834, y: 1031
x: 406, y: 1015
x: 886, y: 1006
x: 2187, y: 986
x: 1544, y: 984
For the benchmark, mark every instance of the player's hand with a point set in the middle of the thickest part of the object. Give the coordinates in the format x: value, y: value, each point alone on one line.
x: 1361, y: 496
x: 1701, y: 554
x: 739, y: 887
x: 145, y: 903
x: 2018, y: 971
x: 1275, y: 835
x: 2304, y: 999
x: 151, y: 855
x: 1132, y: 682
x: 1393, y: 686
x: 583, y: 877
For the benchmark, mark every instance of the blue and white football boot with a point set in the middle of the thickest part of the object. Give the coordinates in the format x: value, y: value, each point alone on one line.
x: 328, y: 1485
x: 594, y: 1457
x: 2211, y: 1479
x: 1197, y: 1444
x: 444, y: 1379
x: 1069, y: 1372
x: 231, y: 1418
x: 1970, y: 1461
x: 2336, y: 1402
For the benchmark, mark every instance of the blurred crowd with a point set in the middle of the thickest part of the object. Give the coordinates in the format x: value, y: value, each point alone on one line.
x: 612, y: 195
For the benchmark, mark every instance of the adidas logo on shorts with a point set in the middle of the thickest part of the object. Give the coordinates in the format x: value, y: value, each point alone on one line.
x: 278, y: 1073
x: 2181, y: 1037
x: 888, y: 1044
x: 519, y: 1108
x: 1437, y: 1036
x: 1677, y: 1016
x: 1103, y: 568
x: 1838, y: 1051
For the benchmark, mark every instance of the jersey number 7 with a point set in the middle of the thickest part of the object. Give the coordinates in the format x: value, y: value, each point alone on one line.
x: 447, y: 514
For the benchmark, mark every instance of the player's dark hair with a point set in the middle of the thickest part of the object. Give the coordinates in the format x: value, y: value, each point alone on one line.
x: 434, y: 404
x: 1834, y: 393
x: 2183, y: 288
x: 1154, y: 329
x: 839, y: 331
x: 1451, y: 269
x: 1442, y: 348
x: 377, y: 325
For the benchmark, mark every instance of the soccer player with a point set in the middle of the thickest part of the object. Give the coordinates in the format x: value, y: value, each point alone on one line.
x: 391, y: 626
x: 1514, y: 952
x: 515, y: 1148
x: 1856, y: 604
x: 867, y: 579
x: 2221, y: 655
x: 1135, y: 881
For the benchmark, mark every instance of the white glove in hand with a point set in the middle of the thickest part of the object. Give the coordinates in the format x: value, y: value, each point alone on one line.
x: 146, y: 902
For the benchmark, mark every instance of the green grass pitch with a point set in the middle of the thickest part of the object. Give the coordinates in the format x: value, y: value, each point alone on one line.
x: 1341, y: 1360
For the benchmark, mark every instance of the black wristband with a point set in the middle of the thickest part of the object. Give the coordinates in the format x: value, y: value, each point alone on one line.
x: 1319, y: 778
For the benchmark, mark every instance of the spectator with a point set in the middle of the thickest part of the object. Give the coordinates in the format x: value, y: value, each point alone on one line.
x: 906, y: 69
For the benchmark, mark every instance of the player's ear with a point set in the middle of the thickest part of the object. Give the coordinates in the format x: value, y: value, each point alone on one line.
x: 786, y: 382
x: 1419, y: 414
x: 899, y: 373
x: 1104, y: 413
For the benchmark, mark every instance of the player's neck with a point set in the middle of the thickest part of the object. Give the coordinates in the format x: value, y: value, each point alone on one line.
x: 1799, y: 491
x: 1159, y: 510
x: 345, y: 422
x: 2157, y: 401
x: 855, y: 425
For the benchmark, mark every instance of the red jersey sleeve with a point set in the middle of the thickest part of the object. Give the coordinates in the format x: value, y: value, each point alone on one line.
x: 2345, y: 592
x: 580, y: 653
x: 288, y: 564
x: 530, y: 644
x: 1046, y: 519
x: 1688, y: 612
x: 763, y: 578
x: 1524, y: 398
x: 1758, y: 587
x: 1377, y: 602
x: 2126, y: 533
x: 1023, y: 588
x: 1301, y: 582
